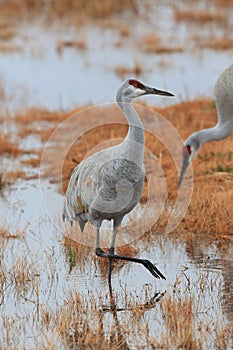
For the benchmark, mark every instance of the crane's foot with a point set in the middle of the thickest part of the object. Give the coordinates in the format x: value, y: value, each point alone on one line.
x: 148, y: 265
x: 100, y: 252
x: 153, y: 269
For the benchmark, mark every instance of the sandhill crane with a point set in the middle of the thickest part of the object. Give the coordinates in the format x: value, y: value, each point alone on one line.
x: 224, y: 102
x: 109, y: 184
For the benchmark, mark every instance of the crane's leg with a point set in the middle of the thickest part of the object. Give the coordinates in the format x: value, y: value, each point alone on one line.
x: 111, y: 252
x: 116, y: 224
x: 148, y: 265
x: 99, y: 251
x: 112, y: 247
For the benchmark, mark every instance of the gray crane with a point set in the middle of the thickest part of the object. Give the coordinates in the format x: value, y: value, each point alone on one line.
x: 224, y: 103
x: 109, y: 184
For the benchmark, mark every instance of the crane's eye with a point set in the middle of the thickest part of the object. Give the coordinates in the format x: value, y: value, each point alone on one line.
x: 187, y: 150
x: 136, y: 84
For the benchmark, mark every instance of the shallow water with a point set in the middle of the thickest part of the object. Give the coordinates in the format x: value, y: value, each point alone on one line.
x: 40, y: 76
x: 195, y: 268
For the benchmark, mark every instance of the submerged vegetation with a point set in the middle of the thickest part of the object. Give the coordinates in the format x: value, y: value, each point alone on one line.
x: 72, y: 258
x: 128, y: 321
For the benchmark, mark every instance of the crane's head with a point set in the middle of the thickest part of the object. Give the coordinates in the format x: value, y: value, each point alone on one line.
x: 132, y: 88
x: 190, y: 150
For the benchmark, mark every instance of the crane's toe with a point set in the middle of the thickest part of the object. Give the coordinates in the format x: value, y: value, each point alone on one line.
x: 153, y: 269
x: 111, y: 250
x: 100, y: 252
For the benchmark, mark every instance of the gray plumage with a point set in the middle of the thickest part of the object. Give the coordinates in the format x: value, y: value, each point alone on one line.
x: 109, y: 184
x: 223, y: 92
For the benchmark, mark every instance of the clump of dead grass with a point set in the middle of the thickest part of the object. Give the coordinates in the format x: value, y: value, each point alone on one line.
x: 22, y: 277
x: 222, y: 337
x: 60, y: 8
x: 179, y: 328
x: 8, y: 147
x: 2, y: 93
x: 10, y: 47
x: 6, y: 33
x: 32, y: 162
x: 200, y: 16
x: 7, y: 234
x: 123, y: 71
x: 152, y: 44
x: 14, y: 175
x: 1, y: 181
x: 222, y: 43
x: 210, y: 210
x: 76, y: 44
x: 40, y: 115
x: 74, y: 325
x: 223, y: 3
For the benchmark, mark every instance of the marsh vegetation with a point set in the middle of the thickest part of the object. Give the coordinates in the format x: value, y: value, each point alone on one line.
x: 53, y: 289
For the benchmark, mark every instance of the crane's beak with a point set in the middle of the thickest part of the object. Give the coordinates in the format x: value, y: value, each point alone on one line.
x: 186, y: 161
x: 150, y: 90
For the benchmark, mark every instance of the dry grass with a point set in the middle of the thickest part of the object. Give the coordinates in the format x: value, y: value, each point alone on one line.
x: 200, y: 16
x: 8, y: 147
x: 1, y: 181
x: 117, y: 24
x: 152, y: 44
x: 124, y: 30
x: 40, y: 115
x: 223, y: 336
x: 14, y: 175
x: 224, y: 3
x: 6, y: 234
x: 23, y: 275
x: 6, y: 47
x: 71, y: 9
x: 222, y: 43
x: 76, y: 44
x: 6, y: 33
x: 211, y: 206
x: 180, y: 328
x: 92, y: 321
x: 123, y: 71
x: 212, y: 191
x: 2, y: 93
x: 33, y: 162
x: 212, y: 169
x: 21, y: 280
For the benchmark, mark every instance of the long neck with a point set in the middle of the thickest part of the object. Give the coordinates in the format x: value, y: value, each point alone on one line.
x: 218, y: 132
x: 136, y: 129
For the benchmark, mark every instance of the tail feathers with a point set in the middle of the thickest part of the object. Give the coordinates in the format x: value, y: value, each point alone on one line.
x: 64, y: 219
x: 69, y: 215
x: 82, y: 224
